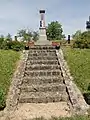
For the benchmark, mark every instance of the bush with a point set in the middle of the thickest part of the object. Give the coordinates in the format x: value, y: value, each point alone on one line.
x: 83, y: 41
x: 9, y: 44
x: 2, y: 100
x: 1, y: 41
x: 4, y: 45
x: 14, y: 45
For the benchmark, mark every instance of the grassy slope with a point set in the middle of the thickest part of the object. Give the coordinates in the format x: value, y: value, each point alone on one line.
x: 7, y: 65
x: 79, y: 64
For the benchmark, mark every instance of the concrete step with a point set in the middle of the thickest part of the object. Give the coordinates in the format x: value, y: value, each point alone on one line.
x: 42, y: 73
x: 31, y: 51
x: 42, y: 47
x: 42, y: 80
x: 43, y: 97
x: 45, y: 62
x: 42, y: 51
x: 51, y: 87
x: 42, y: 67
x: 42, y: 54
x: 42, y: 58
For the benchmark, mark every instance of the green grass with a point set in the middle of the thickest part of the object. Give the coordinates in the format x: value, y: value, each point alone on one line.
x: 68, y: 118
x: 8, y: 60
x: 56, y: 41
x: 79, y: 63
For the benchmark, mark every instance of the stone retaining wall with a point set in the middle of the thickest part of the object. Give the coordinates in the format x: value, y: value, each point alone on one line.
x: 14, y: 91
x: 75, y: 96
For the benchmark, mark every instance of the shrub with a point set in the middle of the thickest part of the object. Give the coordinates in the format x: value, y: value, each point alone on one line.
x: 15, y: 45
x: 2, y: 100
x: 4, y: 45
x: 1, y: 41
x: 83, y: 41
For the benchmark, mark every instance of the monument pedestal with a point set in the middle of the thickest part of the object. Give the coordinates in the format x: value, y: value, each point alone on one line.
x: 42, y: 34
x: 43, y: 37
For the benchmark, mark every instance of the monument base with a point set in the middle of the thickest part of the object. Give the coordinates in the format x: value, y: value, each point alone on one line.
x: 42, y: 37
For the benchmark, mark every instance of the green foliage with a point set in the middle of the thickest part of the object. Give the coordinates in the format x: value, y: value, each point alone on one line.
x: 8, y: 38
x: 4, y: 45
x: 2, y: 99
x: 25, y: 34
x: 16, y: 45
x: 54, y: 31
x: 79, y: 64
x: 9, y: 44
x: 8, y: 60
x: 77, y: 35
x: 1, y: 41
x: 35, y: 36
x: 82, y: 40
x: 28, y: 35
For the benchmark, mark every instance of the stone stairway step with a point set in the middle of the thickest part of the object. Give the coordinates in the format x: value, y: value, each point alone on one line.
x: 42, y: 73
x: 42, y: 54
x: 42, y: 67
x: 51, y: 87
x: 38, y: 62
x: 42, y: 51
x: 42, y: 58
x: 42, y: 47
x: 43, y: 97
x: 42, y: 80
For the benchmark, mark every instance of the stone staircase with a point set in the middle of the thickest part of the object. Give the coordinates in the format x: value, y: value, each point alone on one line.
x: 42, y: 82
x: 41, y: 87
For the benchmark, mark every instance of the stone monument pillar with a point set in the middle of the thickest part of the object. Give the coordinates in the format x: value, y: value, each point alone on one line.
x: 42, y: 30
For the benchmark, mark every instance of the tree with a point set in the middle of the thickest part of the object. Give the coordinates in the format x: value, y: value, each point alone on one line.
x: 35, y: 36
x: 63, y: 36
x: 82, y: 40
x: 25, y: 34
x: 8, y: 38
x: 77, y: 35
x: 1, y: 41
x: 54, y: 31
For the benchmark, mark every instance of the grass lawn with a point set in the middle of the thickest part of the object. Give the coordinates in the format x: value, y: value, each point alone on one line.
x: 79, y: 64
x: 56, y: 41
x: 8, y: 60
x: 70, y: 118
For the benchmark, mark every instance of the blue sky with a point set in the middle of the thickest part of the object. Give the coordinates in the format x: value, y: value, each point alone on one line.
x: 19, y: 14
